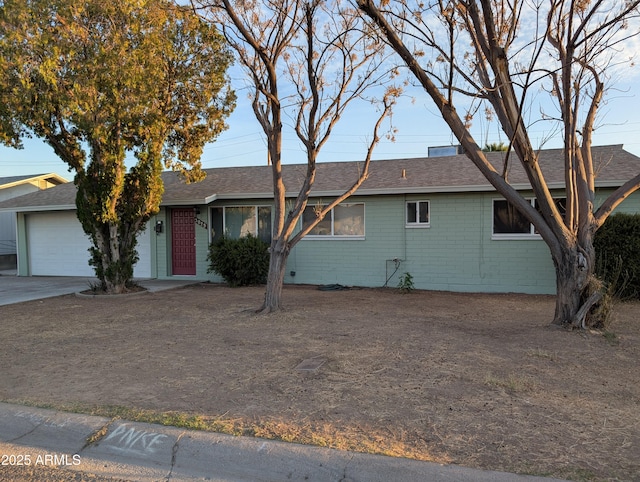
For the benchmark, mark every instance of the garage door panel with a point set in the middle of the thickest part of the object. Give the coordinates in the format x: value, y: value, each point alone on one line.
x: 59, y: 247
x: 142, y: 269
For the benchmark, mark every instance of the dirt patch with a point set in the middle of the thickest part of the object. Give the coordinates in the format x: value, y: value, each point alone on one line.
x: 471, y: 379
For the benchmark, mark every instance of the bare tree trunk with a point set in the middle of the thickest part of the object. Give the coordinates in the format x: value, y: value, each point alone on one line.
x: 111, y: 257
x: 116, y: 283
x: 275, y: 280
x: 573, y: 272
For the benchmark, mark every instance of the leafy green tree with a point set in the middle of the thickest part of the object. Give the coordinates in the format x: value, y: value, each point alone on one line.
x: 108, y: 82
x: 495, y: 147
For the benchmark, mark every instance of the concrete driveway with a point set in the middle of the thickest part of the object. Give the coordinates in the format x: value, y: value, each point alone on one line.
x: 16, y: 289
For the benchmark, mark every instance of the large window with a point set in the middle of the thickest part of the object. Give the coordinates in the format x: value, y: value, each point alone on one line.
x: 344, y: 220
x: 509, y: 222
x: 238, y: 221
x: 417, y: 214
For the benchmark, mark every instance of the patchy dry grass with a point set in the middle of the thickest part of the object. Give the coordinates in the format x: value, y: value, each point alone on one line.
x: 477, y: 380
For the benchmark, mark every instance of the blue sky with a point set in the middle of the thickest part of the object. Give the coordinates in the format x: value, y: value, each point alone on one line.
x: 415, y: 117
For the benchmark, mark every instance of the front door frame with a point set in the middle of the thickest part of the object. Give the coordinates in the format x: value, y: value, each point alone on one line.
x: 183, y: 242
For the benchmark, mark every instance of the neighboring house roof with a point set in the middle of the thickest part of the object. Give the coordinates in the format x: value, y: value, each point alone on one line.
x: 613, y: 166
x: 11, y: 181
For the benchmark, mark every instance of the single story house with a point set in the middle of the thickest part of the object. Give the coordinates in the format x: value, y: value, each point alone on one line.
x: 436, y: 218
x: 14, y: 186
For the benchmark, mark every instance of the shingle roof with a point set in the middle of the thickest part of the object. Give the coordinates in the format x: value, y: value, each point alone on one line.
x: 12, y: 179
x: 613, y: 165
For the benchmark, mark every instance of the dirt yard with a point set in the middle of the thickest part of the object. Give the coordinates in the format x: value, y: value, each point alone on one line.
x: 477, y: 380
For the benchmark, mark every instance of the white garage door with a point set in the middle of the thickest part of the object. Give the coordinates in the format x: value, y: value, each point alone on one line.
x: 58, y: 246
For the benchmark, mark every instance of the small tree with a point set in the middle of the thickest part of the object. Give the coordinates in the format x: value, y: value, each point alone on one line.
x: 322, y: 56
x: 100, y: 80
x: 508, y: 55
x: 495, y: 147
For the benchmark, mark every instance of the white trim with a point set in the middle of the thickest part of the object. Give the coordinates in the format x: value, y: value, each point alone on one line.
x: 515, y: 237
x: 446, y: 189
x: 32, y: 209
x: 333, y: 237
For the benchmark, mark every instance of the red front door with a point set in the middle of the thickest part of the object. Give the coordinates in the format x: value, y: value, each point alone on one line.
x: 183, y: 242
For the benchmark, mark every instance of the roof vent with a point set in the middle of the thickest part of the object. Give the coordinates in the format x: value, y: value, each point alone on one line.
x: 442, y: 151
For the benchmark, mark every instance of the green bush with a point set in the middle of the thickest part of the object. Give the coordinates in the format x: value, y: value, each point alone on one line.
x: 405, y: 285
x: 617, y: 245
x: 241, y: 262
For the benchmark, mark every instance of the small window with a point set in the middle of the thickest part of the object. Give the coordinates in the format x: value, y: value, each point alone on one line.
x: 417, y: 214
x: 344, y: 220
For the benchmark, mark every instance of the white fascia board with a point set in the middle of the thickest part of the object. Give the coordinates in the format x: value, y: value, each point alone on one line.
x: 420, y: 190
x: 610, y: 184
x: 249, y: 195
x: 210, y: 199
x: 33, y: 209
x: 184, y: 202
x: 362, y: 192
x: 27, y: 180
x: 380, y: 191
x: 452, y: 189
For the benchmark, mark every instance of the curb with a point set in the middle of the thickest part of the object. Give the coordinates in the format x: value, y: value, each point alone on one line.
x: 145, y: 452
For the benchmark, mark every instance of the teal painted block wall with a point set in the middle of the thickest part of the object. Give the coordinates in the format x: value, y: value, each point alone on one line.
x: 457, y: 252
x: 160, y: 245
x: 357, y: 261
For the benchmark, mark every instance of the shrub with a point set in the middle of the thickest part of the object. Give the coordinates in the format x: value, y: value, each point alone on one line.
x: 617, y: 245
x: 240, y: 262
x: 405, y: 285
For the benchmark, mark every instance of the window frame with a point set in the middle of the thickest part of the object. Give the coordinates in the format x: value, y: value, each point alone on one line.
x: 256, y: 208
x: 511, y: 236
x: 417, y: 223
x: 532, y: 234
x: 330, y: 215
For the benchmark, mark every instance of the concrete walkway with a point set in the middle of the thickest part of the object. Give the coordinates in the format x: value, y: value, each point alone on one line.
x: 144, y: 452
x: 16, y: 289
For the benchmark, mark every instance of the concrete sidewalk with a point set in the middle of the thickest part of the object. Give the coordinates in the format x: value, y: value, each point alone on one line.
x: 144, y: 452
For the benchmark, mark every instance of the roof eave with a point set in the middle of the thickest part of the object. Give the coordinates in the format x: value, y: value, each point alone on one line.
x: 377, y: 191
x: 326, y: 193
x: 189, y: 202
x: 59, y: 179
x: 32, y: 209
